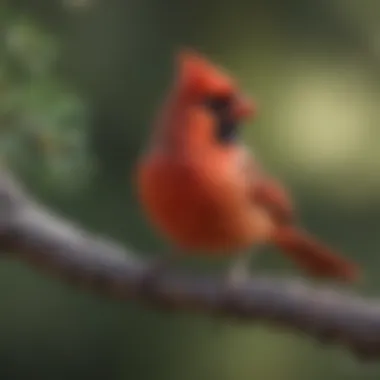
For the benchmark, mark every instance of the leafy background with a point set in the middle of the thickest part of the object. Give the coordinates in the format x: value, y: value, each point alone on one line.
x: 79, y: 83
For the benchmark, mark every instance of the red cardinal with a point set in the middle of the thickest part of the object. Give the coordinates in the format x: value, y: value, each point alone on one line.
x: 204, y: 191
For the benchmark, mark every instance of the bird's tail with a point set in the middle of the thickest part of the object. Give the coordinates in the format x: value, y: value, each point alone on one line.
x: 314, y: 257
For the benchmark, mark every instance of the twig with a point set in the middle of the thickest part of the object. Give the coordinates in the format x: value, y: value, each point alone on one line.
x: 35, y: 235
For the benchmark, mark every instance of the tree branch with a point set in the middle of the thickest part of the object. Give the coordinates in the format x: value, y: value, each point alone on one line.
x: 34, y: 234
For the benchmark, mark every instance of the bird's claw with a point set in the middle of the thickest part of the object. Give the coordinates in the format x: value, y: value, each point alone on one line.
x: 234, y: 280
x: 150, y: 278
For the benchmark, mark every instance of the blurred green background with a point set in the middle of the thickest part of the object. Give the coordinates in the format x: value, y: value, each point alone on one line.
x: 79, y: 83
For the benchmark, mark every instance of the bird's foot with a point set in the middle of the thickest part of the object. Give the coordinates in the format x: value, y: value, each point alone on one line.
x: 151, y: 277
x: 236, y: 277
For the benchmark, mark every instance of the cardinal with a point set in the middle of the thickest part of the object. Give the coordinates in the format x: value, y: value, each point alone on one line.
x: 205, y: 192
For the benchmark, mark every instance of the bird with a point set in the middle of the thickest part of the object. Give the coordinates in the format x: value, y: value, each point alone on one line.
x: 205, y: 192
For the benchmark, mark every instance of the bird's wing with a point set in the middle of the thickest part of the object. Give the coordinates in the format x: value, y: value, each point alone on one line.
x: 270, y: 194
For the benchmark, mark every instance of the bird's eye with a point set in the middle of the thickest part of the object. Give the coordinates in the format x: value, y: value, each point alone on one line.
x: 218, y: 103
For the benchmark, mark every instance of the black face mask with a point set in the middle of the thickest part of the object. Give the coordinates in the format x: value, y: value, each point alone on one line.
x: 226, y: 128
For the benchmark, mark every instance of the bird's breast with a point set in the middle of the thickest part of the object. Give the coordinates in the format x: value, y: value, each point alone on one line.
x: 199, y: 204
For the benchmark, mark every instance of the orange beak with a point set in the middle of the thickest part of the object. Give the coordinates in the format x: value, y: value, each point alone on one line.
x: 244, y: 108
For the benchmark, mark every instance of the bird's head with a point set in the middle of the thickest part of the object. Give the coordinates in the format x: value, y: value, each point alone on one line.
x: 209, y: 89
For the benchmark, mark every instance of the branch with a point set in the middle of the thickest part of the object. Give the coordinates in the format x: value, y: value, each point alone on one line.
x: 35, y: 235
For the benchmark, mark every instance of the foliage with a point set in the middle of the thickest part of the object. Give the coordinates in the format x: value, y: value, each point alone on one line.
x: 43, y: 123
